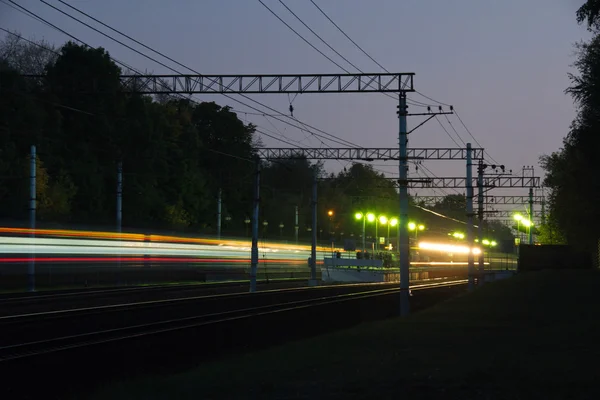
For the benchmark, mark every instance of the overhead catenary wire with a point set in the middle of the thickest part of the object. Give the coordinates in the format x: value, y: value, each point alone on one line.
x: 386, y: 70
x: 447, y: 133
x: 76, y: 39
x: 455, y: 131
x: 348, y: 37
x: 325, y: 42
x: 469, y: 132
x: 316, y: 34
x: 328, y: 135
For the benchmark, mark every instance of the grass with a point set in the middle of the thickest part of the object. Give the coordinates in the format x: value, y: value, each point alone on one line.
x: 532, y: 336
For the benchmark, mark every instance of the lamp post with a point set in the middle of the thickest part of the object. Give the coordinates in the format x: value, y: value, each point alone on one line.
x: 280, y: 230
x: 383, y: 220
x: 416, y: 227
x: 518, y: 218
x: 330, y: 215
x: 265, y: 224
x: 528, y: 224
x: 364, y: 217
x: 391, y: 222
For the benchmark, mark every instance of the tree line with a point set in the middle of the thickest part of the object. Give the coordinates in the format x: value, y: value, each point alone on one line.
x: 572, y: 171
x: 177, y: 155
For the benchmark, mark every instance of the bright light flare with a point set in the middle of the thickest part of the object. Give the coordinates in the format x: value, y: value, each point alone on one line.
x: 448, y: 248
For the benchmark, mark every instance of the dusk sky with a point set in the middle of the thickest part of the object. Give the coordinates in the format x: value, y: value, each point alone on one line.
x: 502, y: 64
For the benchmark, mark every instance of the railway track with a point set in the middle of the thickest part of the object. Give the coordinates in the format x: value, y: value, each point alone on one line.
x: 10, y: 305
x: 29, y: 335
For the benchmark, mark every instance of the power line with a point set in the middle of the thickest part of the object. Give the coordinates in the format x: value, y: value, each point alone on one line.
x: 63, y: 31
x: 386, y: 70
x: 321, y: 39
x: 229, y: 155
x: 276, y: 138
x: 301, y: 37
x: 23, y: 12
x: 348, y: 37
x: 180, y: 64
x: 429, y: 98
x: 467, y: 129
x: 30, y: 41
x: 75, y: 38
x: 160, y: 63
x: 317, y: 35
x: 455, y: 131
x: 445, y: 130
x: 411, y: 102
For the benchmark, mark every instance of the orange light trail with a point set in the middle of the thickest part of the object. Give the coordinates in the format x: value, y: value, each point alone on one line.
x: 142, y: 237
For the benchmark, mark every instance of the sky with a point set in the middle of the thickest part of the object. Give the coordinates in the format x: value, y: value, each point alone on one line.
x: 502, y: 64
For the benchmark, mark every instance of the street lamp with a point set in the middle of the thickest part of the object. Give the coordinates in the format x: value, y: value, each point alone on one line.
x: 280, y: 230
x: 518, y: 218
x: 265, y: 224
x: 528, y: 224
x: 381, y: 220
x: 391, y: 222
x: 368, y: 216
x: 415, y: 227
x: 330, y: 214
x: 457, y: 235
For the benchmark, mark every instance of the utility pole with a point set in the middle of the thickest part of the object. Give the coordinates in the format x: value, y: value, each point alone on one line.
x: 469, y: 186
x: 119, y: 208
x: 481, y: 257
x: 219, y: 214
x: 404, y: 246
x: 254, y: 251
x: 296, y: 224
x: 530, y: 215
x: 119, y: 196
x: 32, y: 209
x: 313, y: 243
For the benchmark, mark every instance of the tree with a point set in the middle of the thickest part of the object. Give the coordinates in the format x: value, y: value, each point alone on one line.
x: 27, y: 57
x: 453, y: 205
x: 571, y: 172
x: 589, y: 13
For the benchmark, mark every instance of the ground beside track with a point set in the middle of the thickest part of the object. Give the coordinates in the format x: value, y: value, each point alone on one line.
x: 529, y: 337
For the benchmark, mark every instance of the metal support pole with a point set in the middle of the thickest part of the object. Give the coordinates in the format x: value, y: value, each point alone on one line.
x: 404, y: 246
x: 119, y: 196
x: 32, y: 207
x: 480, y: 222
x: 219, y: 215
x: 254, y: 251
x: 119, y: 210
x: 470, y: 218
x: 296, y: 224
x: 313, y: 243
x: 364, y: 232
x: 530, y: 215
